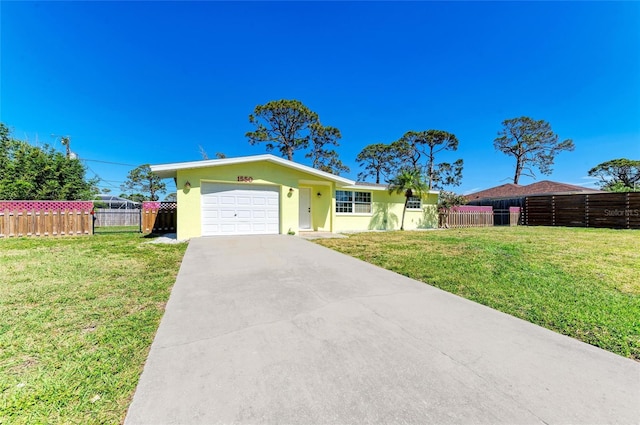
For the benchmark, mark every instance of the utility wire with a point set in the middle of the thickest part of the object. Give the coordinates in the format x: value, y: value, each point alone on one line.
x: 107, y: 162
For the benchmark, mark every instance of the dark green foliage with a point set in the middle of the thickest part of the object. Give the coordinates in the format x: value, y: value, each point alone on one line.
x: 532, y: 143
x: 414, y: 146
x: 142, y: 181
x: 618, y: 175
x: 289, y: 126
x: 40, y: 173
x: 378, y: 160
x: 322, y: 158
x: 448, y: 199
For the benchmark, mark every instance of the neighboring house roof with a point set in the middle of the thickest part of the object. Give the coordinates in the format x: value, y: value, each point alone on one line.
x: 169, y: 170
x: 544, y: 187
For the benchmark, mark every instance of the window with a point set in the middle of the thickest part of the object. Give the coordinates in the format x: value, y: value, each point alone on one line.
x: 414, y: 203
x: 348, y: 202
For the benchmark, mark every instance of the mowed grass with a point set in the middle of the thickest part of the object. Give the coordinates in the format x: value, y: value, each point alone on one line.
x: 77, y: 318
x: 580, y: 282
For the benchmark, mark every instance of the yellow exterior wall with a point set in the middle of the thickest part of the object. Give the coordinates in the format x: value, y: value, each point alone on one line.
x: 386, y: 214
x: 262, y: 173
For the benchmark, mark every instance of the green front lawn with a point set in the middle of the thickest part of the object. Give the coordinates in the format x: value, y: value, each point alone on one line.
x: 78, y: 315
x: 584, y: 283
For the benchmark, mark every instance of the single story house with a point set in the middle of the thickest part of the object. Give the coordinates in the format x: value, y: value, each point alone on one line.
x: 265, y: 194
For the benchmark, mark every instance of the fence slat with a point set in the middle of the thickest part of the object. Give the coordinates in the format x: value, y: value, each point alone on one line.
x: 159, y: 217
x: 455, y: 218
x: 609, y: 210
x: 39, y: 223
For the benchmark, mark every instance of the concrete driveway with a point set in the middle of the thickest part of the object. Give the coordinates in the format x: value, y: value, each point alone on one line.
x: 278, y: 330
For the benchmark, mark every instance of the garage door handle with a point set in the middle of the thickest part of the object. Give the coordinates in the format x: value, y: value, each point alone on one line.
x: 309, y: 209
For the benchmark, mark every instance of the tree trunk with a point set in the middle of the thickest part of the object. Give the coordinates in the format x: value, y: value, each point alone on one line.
x: 516, y: 176
x: 406, y: 201
x: 430, y: 173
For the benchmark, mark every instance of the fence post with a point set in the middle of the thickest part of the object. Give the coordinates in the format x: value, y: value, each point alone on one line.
x: 627, y: 211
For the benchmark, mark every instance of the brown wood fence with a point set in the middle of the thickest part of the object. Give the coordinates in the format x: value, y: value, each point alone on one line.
x: 159, y: 217
x: 110, y: 217
x: 514, y: 216
x: 453, y: 219
x: 612, y: 210
x: 16, y: 223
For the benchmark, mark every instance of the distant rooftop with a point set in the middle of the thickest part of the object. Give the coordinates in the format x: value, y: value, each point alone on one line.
x: 544, y: 187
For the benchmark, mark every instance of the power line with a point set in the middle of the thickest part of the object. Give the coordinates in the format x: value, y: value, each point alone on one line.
x: 108, y: 162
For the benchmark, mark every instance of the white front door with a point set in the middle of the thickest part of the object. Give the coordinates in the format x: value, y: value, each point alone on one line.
x: 238, y: 209
x: 304, y: 209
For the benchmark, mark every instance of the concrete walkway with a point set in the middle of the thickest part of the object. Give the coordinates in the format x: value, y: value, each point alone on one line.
x: 278, y: 330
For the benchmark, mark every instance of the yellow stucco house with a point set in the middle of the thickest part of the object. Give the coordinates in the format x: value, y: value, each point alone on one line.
x: 265, y: 194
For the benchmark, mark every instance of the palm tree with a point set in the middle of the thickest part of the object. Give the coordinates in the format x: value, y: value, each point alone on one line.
x: 409, y: 183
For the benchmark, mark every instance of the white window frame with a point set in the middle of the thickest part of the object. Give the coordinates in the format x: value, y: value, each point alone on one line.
x: 411, y: 203
x: 352, y: 203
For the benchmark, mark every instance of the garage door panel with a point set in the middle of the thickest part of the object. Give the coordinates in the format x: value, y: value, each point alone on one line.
x: 227, y: 200
x: 229, y: 209
x: 243, y: 214
x: 226, y: 213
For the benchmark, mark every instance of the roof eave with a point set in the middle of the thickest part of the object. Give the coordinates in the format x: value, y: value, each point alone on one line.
x: 170, y: 170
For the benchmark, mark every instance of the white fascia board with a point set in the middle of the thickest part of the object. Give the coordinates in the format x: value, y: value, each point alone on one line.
x: 169, y: 170
x: 379, y: 188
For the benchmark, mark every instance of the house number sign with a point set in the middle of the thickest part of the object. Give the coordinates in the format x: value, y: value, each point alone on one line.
x: 245, y: 179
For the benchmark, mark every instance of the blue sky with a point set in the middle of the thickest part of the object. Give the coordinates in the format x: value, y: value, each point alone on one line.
x: 148, y: 82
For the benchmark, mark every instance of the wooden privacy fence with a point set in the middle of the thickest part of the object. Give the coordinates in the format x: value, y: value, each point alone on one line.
x: 466, y: 216
x: 612, y: 210
x: 45, y: 218
x: 514, y: 216
x: 159, y: 217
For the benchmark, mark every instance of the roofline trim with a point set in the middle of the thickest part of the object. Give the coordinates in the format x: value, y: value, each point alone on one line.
x: 169, y: 170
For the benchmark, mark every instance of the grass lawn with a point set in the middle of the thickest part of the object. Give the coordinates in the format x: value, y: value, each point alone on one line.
x: 78, y: 315
x: 580, y: 282
x: 116, y: 229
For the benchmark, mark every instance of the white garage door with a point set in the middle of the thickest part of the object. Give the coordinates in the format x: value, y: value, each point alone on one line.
x: 230, y: 209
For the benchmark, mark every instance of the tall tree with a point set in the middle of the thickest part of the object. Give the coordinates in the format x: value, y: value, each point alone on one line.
x: 143, y: 181
x: 618, y: 175
x: 40, y: 173
x: 414, y: 146
x: 282, y: 124
x: 432, y: 142
x: 409, y: 183
x: 321, y: 157
x: 532, y: 143
x: 445, y: 174
x: 378, y: 161
x: 289, y: 126
x: 405, y: 150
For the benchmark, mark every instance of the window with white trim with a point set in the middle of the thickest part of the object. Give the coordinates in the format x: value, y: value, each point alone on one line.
x: 414, y: 203
x: 350, y: 202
